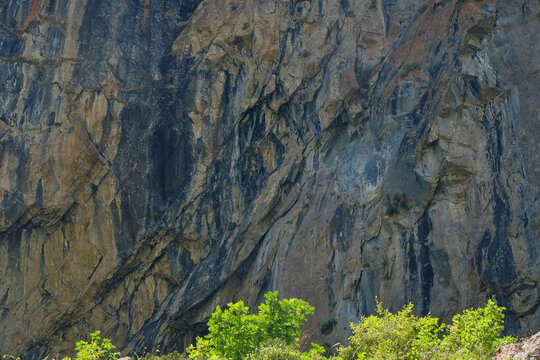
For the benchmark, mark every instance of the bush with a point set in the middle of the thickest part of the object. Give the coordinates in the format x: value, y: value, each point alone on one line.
x: 282, y: 319
x: 273, y: 334
x: 233, y: 333
x: 473, y: 335
x: 408, y: 68
x: 96, y: 349
x: 279, y: 350
x: 476, y: 333
x: 392, y: 336
x: 175, y: 355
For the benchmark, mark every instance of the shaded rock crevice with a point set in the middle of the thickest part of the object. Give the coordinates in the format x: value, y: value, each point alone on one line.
x: 158, y: 159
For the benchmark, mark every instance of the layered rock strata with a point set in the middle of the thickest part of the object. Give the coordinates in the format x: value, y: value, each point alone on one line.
x: 158, y: 158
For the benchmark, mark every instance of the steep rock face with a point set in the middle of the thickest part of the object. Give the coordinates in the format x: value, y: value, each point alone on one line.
x: 160, y: 158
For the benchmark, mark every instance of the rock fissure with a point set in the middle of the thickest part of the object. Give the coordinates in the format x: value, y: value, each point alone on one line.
x: 159, y: 159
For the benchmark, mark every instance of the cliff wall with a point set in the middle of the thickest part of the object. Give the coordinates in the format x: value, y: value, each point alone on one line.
x: 158, y: 158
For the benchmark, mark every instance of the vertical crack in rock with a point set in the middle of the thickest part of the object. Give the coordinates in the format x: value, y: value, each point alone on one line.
x: 160, y: 158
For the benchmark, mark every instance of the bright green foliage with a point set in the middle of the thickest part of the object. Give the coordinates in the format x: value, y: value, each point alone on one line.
x: 97, y: 349
x: 474, y: 335
x: 273, y: 334
x: 477, y: 332
x: 393, y: 336
x: 175, y: 355
x: 233, y: 333
x: 283, y: 319
x: 279, y: 350
x: 204, y: 351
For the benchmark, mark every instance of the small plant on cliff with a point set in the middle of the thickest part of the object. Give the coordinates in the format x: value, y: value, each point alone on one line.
x: 96, y: 349
x: 408, y: 68
x: 10, y: 357
x: 234, y: 334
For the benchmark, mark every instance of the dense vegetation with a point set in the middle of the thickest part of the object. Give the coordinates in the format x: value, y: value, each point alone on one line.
x: 235, y: 334
x: 475, y: 334
x: 273, y: 334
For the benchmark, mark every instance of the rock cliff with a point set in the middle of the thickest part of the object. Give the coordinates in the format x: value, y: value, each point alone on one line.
x: 158, y: 158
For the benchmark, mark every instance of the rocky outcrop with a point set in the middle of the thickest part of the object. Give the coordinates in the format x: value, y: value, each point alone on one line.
x: 527, y: 349
x: 160, y: 158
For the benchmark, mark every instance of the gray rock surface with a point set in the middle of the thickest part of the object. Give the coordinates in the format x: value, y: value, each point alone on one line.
x: 158, y: 158
x: 528, y: 349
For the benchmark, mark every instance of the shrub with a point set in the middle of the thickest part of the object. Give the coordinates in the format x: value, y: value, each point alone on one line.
x: 175, y: 355
x: 475, y: 334
x: 96, y: 349
x: 279, y: 350
x: 283, y: 319
x: 392, y: 336
x: 10, y: 357
x: 408, y: 68
x: 233, y: 333
x: 327, y: 326
x: 273, y: 334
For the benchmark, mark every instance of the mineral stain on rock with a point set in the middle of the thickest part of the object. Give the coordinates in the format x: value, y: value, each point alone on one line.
x: 158, y: 158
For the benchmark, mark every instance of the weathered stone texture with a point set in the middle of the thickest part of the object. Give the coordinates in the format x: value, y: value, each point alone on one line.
x: 158, y: 158
x: 528, y: 349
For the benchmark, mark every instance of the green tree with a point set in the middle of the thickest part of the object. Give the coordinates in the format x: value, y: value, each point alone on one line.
x: 233, y: 333
x: 282, y: 319
x: 96, y: 349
